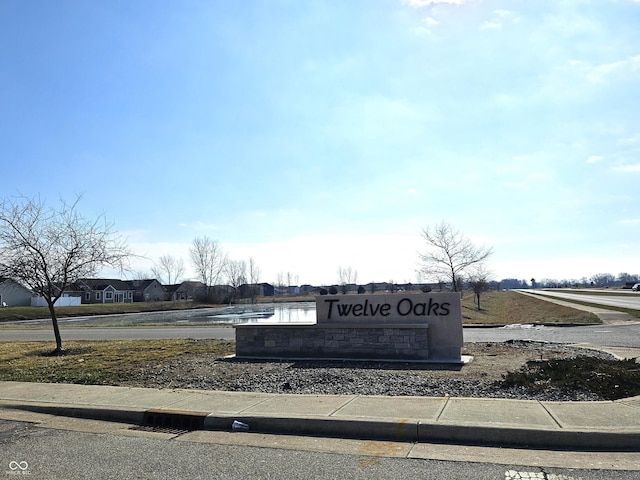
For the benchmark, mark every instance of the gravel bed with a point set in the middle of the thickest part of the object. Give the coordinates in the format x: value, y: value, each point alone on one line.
x: 477, y: 379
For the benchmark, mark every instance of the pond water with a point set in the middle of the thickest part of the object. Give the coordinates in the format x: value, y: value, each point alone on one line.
x: 295, y: 312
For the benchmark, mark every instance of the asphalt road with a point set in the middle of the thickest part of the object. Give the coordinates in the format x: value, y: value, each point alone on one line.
x: 626, y: 335
x: 48, y: 453
x: 629, y: 300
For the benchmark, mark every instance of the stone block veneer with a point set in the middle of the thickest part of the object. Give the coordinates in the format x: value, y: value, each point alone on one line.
x: 348, y: 342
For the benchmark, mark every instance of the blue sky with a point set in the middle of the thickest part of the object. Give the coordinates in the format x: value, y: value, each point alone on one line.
x: 312, y: 135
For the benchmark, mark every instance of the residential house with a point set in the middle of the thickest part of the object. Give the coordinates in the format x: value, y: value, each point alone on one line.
x: 308, y: 289
x: 287, y: 290
x: 103, y: 290
x: 13, y: 294
x: 257, y: 289
x: 187, y: 290
x: 148, y: 290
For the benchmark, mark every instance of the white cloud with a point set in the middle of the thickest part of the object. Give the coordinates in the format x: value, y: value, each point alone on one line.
x: 629, y: 222
x: 628, y: 168
x: 600, y: 73
x: 630, y: 140
x: 503, y: 13
x: 496, y: 23
x: 491, y: 25
x: 595, y: 159
x: 575, y: 80
x: 430, y: 21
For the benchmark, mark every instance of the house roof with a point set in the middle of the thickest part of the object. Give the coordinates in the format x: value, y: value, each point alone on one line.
x: 142, y: 284
x: 102, y: 283
x: 190, y: 284
x: 7, y: 279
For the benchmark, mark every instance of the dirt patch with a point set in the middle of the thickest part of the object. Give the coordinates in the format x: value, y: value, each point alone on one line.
x: 610, y: 379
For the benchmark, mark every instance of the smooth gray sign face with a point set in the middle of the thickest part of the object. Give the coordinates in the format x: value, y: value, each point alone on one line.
x: 389, y: 309
x: 441, y: 313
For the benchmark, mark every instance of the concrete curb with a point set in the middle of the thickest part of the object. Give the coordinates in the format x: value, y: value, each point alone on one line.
x: 409, y: 430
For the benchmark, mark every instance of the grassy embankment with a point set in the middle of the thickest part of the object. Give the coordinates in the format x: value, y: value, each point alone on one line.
x: 503, y: 308
x: 34, y: 313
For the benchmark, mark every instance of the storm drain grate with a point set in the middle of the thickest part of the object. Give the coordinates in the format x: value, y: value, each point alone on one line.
x: 146, y: 428
x: 172, y: 421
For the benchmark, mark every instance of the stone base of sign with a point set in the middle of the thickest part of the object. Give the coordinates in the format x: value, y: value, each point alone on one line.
x: 381, y: 342
x: 385, y: 328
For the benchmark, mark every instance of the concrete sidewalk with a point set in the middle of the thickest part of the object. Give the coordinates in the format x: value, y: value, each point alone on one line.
x: 604, y: 426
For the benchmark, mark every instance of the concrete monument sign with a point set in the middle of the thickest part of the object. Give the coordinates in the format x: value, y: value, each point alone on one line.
x: 418, y: 327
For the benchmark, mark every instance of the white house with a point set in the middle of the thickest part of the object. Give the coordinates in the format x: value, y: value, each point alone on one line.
x: 13, y: 294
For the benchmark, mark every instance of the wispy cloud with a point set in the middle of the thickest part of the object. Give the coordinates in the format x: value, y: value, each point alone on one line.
x: 498, y: 20
x: 628, y: 168
x: 629, y: 222
x: 491, y: 25
x: 600, y: 73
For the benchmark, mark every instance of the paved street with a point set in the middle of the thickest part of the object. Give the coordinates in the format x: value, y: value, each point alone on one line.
x: 48, y: 453
x: 628, y: 300
x: 626, y: 335
x: 603, y: 335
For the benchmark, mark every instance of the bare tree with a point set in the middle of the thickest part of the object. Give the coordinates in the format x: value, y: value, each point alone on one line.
x: 209, y: 262
x: 450, y: 254
x: 168, y: 269
x: 289, y: 280
x: 346, y: 276
x: 280, y: 283
x: 254, y: 278
x: 49, y: 248
x: 236, y: 275
x: 140, y: 275
x: 603, y: 279
x: 285, y: 281
x: 479, y: 282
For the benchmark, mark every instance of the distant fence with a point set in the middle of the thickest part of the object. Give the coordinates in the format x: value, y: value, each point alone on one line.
x: 61, y: 302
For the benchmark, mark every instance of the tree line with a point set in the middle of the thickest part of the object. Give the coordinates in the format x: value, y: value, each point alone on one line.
x: 48, y: 248
x: 598, y: 280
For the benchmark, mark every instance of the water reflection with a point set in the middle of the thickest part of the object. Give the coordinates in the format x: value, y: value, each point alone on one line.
x: 294, y: 312
x: 300, y: 312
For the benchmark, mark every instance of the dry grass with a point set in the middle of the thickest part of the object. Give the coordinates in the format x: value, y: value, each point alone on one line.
x: 33, y: 313
x: 96, y: 362
x: 499, y: 308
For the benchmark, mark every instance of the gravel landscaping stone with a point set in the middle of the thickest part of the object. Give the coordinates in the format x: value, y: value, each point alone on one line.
x: 476, y: 379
